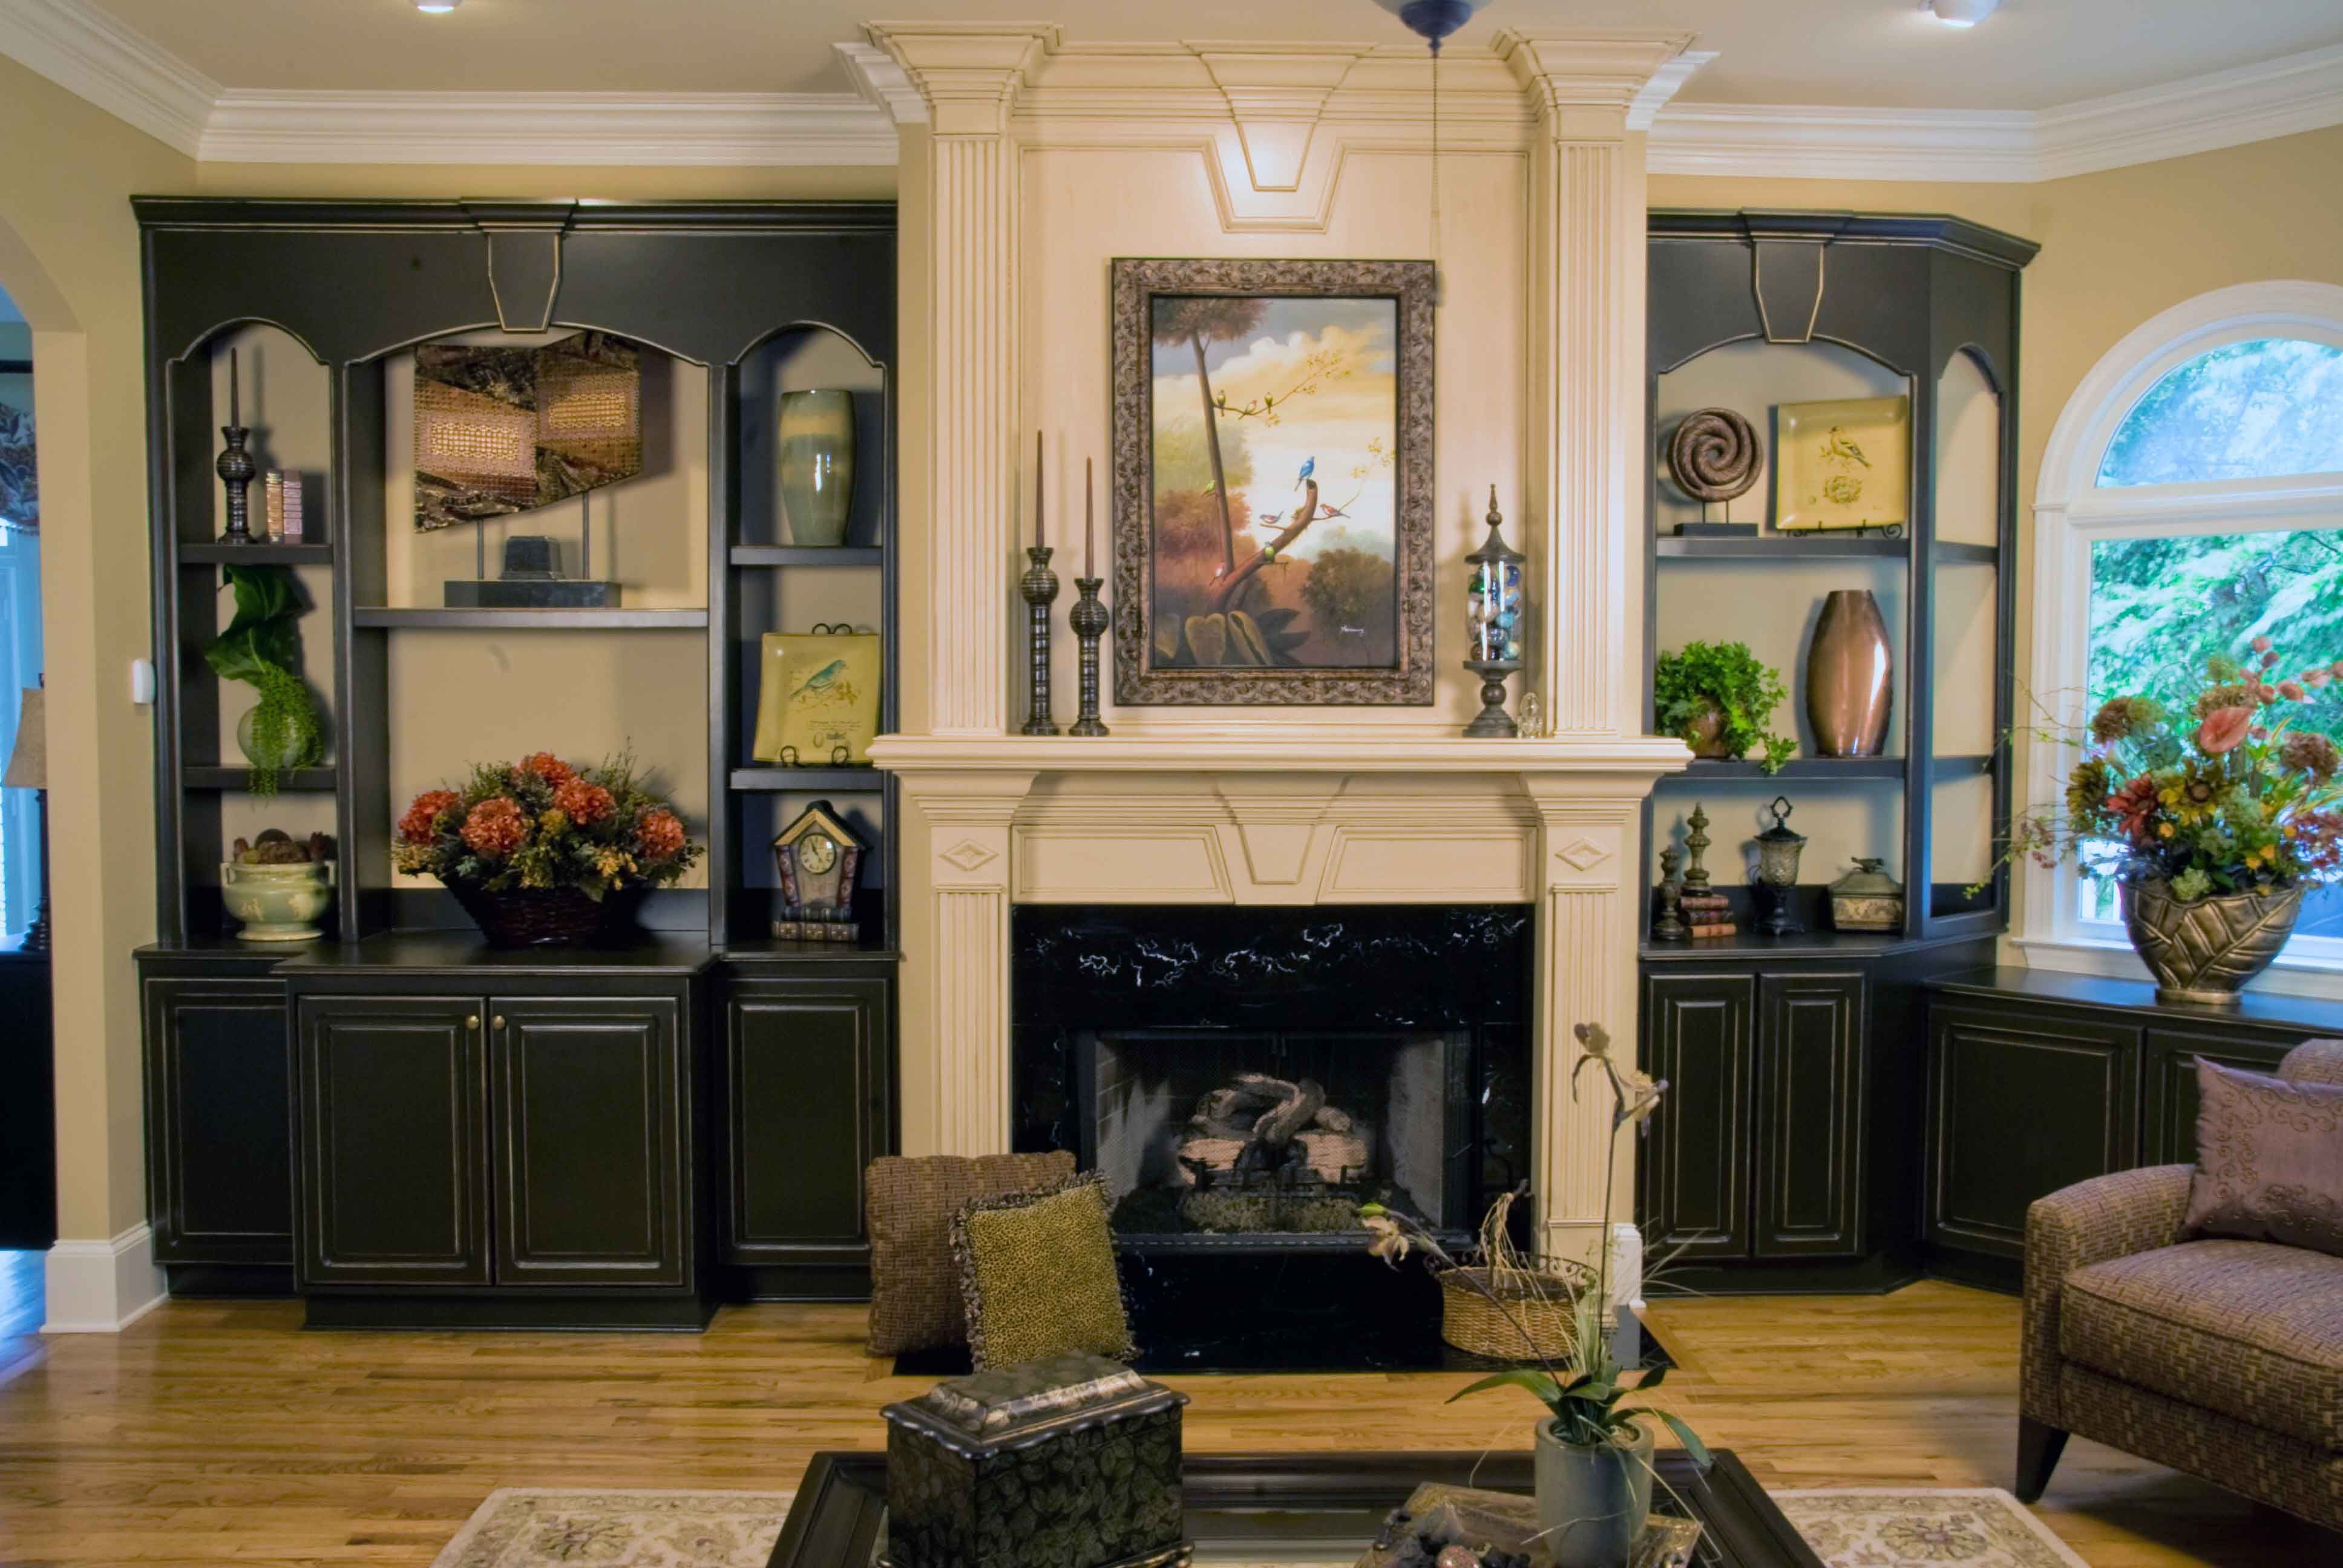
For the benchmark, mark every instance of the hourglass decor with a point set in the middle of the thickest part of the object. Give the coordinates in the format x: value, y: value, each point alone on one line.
x: 1492, y: 623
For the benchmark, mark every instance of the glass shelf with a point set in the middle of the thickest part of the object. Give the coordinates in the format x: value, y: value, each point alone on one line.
x: 530, y: 619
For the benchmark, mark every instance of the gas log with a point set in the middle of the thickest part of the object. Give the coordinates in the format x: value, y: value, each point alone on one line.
x: 1258, y: 1126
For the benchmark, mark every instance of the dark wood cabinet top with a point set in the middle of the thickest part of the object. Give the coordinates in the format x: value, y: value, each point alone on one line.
x: 662, y: 953
x: 2262, y: 1009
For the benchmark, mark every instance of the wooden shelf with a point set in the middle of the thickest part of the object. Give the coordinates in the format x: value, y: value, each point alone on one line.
x: 1781, y: 547
x: 773, y: 951
x: 1709, y: 768
x: 807, y: 555
x: 530, y: 619
x: 296, y: 781
x: 773, y: 779
x: 214, y: 553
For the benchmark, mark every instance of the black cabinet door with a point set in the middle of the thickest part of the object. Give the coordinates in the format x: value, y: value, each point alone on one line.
x: 1697, y: 1037
x: 2168, y: 1083
x: 591, y: 1139
x: 2022, y: 1101
x: 1810, y: 1089
x: 219, y: 1163
x: 809, y: 1105
x: 394, y: 1142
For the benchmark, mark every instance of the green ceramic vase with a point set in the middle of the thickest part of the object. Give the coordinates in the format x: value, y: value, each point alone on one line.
x: 817, y: 438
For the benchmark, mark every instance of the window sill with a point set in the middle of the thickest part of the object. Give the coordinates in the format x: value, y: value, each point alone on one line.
x: 2084, y: 955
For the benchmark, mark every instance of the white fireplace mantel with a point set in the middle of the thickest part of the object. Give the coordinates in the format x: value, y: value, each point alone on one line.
x: 1240, y: 750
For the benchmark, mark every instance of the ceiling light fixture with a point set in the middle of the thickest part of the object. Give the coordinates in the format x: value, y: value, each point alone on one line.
x: 436, y: 7
x: 1960, y: 13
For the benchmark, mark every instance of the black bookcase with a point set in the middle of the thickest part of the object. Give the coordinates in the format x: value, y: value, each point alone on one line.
x: 1787, y: 1154
x: 723, y: 294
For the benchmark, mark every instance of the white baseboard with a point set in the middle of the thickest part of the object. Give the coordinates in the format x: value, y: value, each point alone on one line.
x: 103, y: 1287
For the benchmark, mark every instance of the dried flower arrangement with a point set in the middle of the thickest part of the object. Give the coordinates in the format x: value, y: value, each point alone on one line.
x: 2225, y: 799
x: 568, y: 835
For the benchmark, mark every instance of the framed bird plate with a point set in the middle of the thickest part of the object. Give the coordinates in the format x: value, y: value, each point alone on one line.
x: 817, y: 698
x: 1273, y: 482
x: 1845, y: 464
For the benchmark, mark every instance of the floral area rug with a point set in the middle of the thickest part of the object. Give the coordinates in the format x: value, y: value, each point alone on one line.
x: 538, y: 1527
x: 1899, y: 1527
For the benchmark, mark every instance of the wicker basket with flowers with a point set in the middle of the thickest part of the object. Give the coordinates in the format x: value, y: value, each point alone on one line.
x: 540, y: 850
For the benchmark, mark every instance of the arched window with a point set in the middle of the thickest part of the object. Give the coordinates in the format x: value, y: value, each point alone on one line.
x: 2191, y: 500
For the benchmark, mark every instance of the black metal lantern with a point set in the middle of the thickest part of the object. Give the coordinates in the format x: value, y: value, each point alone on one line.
x: 1777, y: 872
x: 1493, y: 621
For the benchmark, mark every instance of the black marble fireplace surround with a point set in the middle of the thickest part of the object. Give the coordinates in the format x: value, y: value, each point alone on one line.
x: 1413, y: 1018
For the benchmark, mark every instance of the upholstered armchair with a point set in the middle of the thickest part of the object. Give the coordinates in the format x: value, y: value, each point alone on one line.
x: 2221, y: 1358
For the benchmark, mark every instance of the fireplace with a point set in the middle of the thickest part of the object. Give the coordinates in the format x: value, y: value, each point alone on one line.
x: 1245, y: 1077
x: 1240, y: 1074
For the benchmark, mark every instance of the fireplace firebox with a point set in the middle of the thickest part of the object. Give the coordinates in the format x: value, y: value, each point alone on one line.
x: 1246, y: 1077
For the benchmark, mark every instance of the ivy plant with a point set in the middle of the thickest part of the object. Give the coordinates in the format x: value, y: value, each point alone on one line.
x: 261, y: 648
x: 1727, y: 679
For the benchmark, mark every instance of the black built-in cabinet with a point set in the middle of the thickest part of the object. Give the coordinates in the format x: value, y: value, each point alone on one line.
x: 412, y: 1127
x: 2037, y: 1081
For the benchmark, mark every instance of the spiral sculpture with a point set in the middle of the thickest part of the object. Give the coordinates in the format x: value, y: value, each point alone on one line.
x: 1714, y: 454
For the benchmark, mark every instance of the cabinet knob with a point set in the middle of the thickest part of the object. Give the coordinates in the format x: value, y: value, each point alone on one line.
x: 473, y: 1022
x: 500, y: 1020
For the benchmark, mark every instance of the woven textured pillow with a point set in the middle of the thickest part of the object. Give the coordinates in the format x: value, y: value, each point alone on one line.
x: 2269, y: 1160
x: 915, y: 1295
x: 1037, y: 1273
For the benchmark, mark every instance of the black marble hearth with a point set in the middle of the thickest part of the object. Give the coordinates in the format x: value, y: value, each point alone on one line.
x: 1406, y: 1025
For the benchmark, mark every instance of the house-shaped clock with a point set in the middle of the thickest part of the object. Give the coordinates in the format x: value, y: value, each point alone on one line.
x: 816, y: 857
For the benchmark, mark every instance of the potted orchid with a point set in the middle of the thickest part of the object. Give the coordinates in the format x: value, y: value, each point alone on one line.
x: 1594, y: 1452
x: 2223, y: 814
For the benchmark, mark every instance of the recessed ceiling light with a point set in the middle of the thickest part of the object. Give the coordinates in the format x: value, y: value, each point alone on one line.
x: 436, y: 7
x: 1960, y: 13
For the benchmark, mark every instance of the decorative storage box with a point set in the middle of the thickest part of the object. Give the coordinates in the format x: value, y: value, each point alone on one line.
x: 1071, y: 1463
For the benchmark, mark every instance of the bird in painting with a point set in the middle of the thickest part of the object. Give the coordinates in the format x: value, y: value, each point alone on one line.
x: 1309, y: 467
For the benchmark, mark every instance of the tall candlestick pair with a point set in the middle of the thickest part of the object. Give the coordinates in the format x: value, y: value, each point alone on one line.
x: 1090, y: 619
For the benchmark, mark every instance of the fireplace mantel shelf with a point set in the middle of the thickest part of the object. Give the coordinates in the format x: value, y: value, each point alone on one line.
x: 1300, y: 751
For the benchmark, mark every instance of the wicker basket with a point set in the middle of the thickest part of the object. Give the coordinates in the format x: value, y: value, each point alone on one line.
x: 543, y: 917
x: 1533, y: 1314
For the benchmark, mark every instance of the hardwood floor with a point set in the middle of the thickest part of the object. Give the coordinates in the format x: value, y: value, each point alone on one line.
x: 214, y: 1432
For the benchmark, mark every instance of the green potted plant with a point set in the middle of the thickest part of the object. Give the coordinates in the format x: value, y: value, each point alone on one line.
x: 2223, y: 814
x: 1718, y: 699
x: 1593, y: 1453
x: 262, y: 648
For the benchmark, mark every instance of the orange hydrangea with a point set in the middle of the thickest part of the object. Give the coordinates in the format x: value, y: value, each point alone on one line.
x: 495, y: 827
x: 582, y: 802
x: 420, y: 824
x: 550, y: 767
x: 659, y: 833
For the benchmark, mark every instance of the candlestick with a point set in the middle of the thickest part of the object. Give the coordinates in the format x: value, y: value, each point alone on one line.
x: 1090, y: 620
x: 1089, y: 530
x: 236, y: 466
x: 1039, y: 586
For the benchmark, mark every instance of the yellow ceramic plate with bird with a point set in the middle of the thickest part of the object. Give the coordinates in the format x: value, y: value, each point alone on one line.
x: 1845, y: 463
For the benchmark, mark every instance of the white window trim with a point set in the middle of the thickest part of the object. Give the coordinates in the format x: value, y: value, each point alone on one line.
x: 2070, y: 513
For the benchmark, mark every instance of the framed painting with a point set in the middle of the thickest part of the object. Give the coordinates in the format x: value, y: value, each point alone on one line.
x: 1273, y: 482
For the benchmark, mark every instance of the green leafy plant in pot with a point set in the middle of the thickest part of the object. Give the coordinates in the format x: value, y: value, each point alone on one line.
x: 1594, y: 1452
x: 262, y: 648
x: 1718, y: 699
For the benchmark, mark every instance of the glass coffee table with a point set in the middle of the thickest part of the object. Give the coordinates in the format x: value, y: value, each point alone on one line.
x: 1306, y: 1509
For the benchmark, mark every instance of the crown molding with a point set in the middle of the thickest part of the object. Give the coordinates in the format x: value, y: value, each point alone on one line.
x: 90, y: 54
x: 2280, y: 97
x: 609, y: 129
x: 86, y: 51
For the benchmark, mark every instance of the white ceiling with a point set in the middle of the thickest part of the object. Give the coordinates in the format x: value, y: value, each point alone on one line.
x: 2031, y: 54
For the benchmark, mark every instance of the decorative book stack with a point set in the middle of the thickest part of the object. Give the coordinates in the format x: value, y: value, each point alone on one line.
x: 1707, y: 914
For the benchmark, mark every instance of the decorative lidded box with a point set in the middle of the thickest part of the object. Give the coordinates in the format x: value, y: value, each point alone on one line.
x: 1069, y: 1463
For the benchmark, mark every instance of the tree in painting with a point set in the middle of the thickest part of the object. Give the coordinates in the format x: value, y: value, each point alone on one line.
x: 1250, y: 572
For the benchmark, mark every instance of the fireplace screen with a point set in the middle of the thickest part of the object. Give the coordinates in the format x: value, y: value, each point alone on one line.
x: 1225, y: 1137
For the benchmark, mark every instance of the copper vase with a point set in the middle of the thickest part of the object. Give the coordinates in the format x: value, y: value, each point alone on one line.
x: 1850, y: 677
